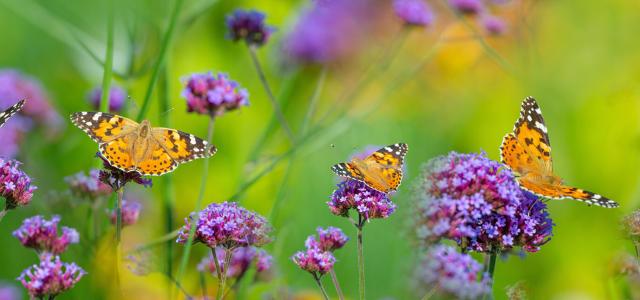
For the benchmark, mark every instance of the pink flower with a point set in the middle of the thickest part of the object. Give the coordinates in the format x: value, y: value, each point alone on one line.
x: 42, y: 235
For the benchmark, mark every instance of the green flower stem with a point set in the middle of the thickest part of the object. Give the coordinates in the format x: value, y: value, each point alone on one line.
x: 166, y: 40
x: 490, y: 267
x: 3, y: 213
x: 118, y: 237
x: 171, y: 236
x: 218, y: 269
x: 108, y: 60
x: 361, y: 281
x: 203, y: 184
x: 430, y: 293
x: 336, y: 284
x: 203, y: 285
x: 222, y: 272
x: 324, y: 292
x: 267, y: 88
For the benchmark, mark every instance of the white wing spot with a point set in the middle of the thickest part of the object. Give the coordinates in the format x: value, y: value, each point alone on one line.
x: 96, y: 116
x: 596, y: 196
x: 88, y: 123
x: 541, y: 127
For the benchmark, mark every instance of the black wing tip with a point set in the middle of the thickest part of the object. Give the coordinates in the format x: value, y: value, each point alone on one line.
x: 212, y: 150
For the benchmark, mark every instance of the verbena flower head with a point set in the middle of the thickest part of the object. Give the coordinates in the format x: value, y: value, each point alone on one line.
x: 88, y: 185
x: 314, y: 260
x: 248, y: 25
x: 117, y: 179
x: 452, y: 274
x: 242, y: 259
x: 15, y: 185
x: 474, y: 201
x: 467, y: 7
x: 50, y: 277
x: 413, y: 12
x: 9, y: 292
x: 331, y: 239
x: 117, y: 97
x: 365, y: 201
x: 213, y: 95
x: 42, y: 235
x: 328, y: 31
x: 227, y: 225
x: 130, y: 213
x: 494, y: 25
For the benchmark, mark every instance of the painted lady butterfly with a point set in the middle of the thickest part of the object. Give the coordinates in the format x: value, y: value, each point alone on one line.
x: 527, y: 152
x: 131, y: 146
x: 382, y: 170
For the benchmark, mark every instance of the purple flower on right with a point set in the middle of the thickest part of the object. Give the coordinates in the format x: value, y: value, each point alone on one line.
x: 477, y: 203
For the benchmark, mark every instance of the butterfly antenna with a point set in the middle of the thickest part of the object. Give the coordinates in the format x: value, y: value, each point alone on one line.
x: 167, y: 111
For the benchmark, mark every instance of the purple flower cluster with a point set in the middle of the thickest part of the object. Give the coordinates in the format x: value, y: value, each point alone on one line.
x: 130, y: 212
x: 631, y: 224
x: 15, y: 185
x: 329, y: 239
x: 452, y: 274
x: 213, y: 95
x: 242, y: 258
x: 328, y: 31
x: 116, y: 178
x: 42, y: 235
x: 314, y: 260
x: 492, y: 24
x: 367, y: 202
x: 50, y: 277
x: 413, y: 12
x: 227, y: 225
x: 467, y: 7
x: 248, y: 26
x: 88, y: 186
x: 117, y: 97
x: 472, y: 200
x: 9, y: 292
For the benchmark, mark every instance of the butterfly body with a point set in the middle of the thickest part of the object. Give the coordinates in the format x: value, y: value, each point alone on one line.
x: 527, y: 152
x: 131, y: 146
x: 382, y: 170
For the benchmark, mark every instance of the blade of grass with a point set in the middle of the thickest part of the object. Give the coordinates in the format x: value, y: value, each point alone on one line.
x: 108, y: 60
x: 166, y: 40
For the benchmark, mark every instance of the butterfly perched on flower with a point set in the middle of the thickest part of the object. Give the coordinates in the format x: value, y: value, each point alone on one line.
x: 382, y: 170
x: 527, y: 152
x: 131, y: 146
x: 5, y: 115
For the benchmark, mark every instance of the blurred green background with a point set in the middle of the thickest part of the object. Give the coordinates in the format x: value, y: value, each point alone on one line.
x: 579, y: 59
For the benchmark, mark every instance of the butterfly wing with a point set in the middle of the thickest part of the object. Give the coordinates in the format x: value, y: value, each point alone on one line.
x: 562, y: 192
x: 118, y: 152
x: 386, y: 165
x: 103, y: 127
x: 5, y: 115
x: 181, y: 146
x: 531, y: 132
x: 515, y: 156
x: 157, y: 161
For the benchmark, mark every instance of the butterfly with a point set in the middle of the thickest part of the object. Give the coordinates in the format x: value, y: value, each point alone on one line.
x: 382, y: 170
x: 131, y: 146
x: 527, y: 152
x: 5, y: 115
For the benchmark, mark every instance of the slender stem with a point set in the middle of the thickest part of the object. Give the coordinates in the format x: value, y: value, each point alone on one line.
x: 430, y: 293
x: 313, y: 103
x: 118, y: 237
x: 636, y: 246
x: 219, y: 270
x: 159, y: 63
x: 171, y: 236
x: 361, y: 281
x: 267, y: 88
x: 180, y: 287
x: 108, y: 60
x: 3, y: 213
x: 203, y: 184
x: 324, y: 292
x: 490, y: 269
x: 203, y: 285
x: 336, y: 284
x: 223, y: 278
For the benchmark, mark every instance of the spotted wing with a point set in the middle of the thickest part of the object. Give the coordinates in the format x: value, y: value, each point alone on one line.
x: 157, y: 162
x: 516, y: 157
x: 386, y: 165
x: 5, y: 115
x: 562, y: 192
x: 181, y: 146
x: 118, y: 152
x: 531, y: 132
x: 348, y: 170
x: 103, y: 127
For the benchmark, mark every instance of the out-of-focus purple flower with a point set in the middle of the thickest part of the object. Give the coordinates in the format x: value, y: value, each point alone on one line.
x: 467, y: 7
x: 331, y: 239
x: 88, y: 186
x: 9, y: 292
x: 452, y: 274
x: 12, y: 134
x: 117, y: 97
x: 42, y: 235
x: 367, y: 202
x: 116, y: 178
x: 631, y: 224
x: 413, y: 12
x: 50, y: 277
x: 130, y: 213
x: 472, y: 200
x: 248, y: 25
x: 213, y: 95
x: 314, y: 260
x: 328, y: 31
x: 227, y: 225
x: 15, y: 86
x: 241, y: 259
x: 15, y: 185
x: 494, y: 25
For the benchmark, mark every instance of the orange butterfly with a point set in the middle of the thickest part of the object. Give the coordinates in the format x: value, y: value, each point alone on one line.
x: 131, y: 146
x: 527, y: 152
